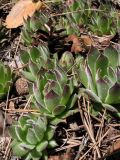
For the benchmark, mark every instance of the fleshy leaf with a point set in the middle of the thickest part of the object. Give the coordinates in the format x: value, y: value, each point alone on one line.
x: 51, y: 100
x: 50, y: 132
x: 83, y: 76
x: 37, y: 95
x: 28, y: 75
x: 72, y: 101
x: 102, y: 64
x: 66, y: 95
x: 91, y: 83
x: 2, y: 77
x: 40, y: 147
x: 113, y: 96
x: 91, y: 59
x: 89, y: 93
x: 118, y: 74
x: 19, y: 151
x: 112, y: 55
x: 39, y: 132
x: 34, y: 54
x: 25, y: 57
x: 31, y: 136
x: 58, y: 110
x: 111, y: 74
x: 33, y: 68
x: 52, y: 144
x: 102, y: 89
x: 110, y: 108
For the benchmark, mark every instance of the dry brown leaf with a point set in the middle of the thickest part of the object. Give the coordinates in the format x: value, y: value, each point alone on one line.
x: 87, y: 40
x: 22, y: 10
x: 76, y: 46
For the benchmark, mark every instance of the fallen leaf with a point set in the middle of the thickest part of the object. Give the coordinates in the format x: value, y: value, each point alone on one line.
x: 20, y: 12
x: 87, y: 40
x: 76, y: 46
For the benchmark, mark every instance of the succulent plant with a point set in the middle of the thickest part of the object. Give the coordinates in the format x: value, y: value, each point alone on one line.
x: 67, y: 61
x: 32, y: 26
x: 36, y: 58
x: 84, y: 14
x: 54, y: 94
x: 32, y: 135
x: 5, y: 79
x: 102, y: 24
x: 53, y: 91
x: 100, y: 75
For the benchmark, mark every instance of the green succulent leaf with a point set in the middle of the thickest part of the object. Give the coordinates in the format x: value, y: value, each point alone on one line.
x: 113, y: 96
x: 44, y: 52
x: 26, y: 37
x: 37, y: 95
x: 52, y: 144
x: 72, y: 101
x: 2, y: 72
x: 51, y: 100
x: 32, y: 137
x: 91, y: 82
x: 25, y: 57
x: 83, y: 76
x: 51, y: 84
x: 22, y: 121
x: 112, y: 55
x: 92, y: 95
x: 110, y: 108
x: 91, y: 58
x: 50, y: 132
x: 35, y: 54
x: 39, y: 131
x: 42, y: 146
x: 102, y: 89
x: 102, y: 64
x: 33, y: 68
x: 18, y: 150
x: 66, y: 95
x: 112, y: 75
x: 118, y: 74
x: 28, y: 76
x: 58, y: 110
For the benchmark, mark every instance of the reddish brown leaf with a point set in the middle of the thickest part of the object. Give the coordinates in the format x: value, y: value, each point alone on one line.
x: 87, y: 40
x: 76, y: 46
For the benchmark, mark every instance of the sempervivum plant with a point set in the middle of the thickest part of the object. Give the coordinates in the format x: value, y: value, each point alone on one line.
x: 32, y: 135
x: 54, y: 94
x: 31, y: 27
x: 36, y: 58
x: 100, y: 75
x: 5, y: 79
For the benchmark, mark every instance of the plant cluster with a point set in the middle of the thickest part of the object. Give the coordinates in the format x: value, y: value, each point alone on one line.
x: 102, y: 20
x: 54, y: 83
x: 32, y: 136
x: 100, y: 75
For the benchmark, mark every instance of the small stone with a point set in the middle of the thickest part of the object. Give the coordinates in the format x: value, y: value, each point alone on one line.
x: 21, y: 86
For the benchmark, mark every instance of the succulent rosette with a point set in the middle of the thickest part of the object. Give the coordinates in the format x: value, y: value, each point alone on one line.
x: 35, y: 59
x: 32, y: 136
x: 67, y: 61
x: 100, y: 75
x: 54, y: 94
